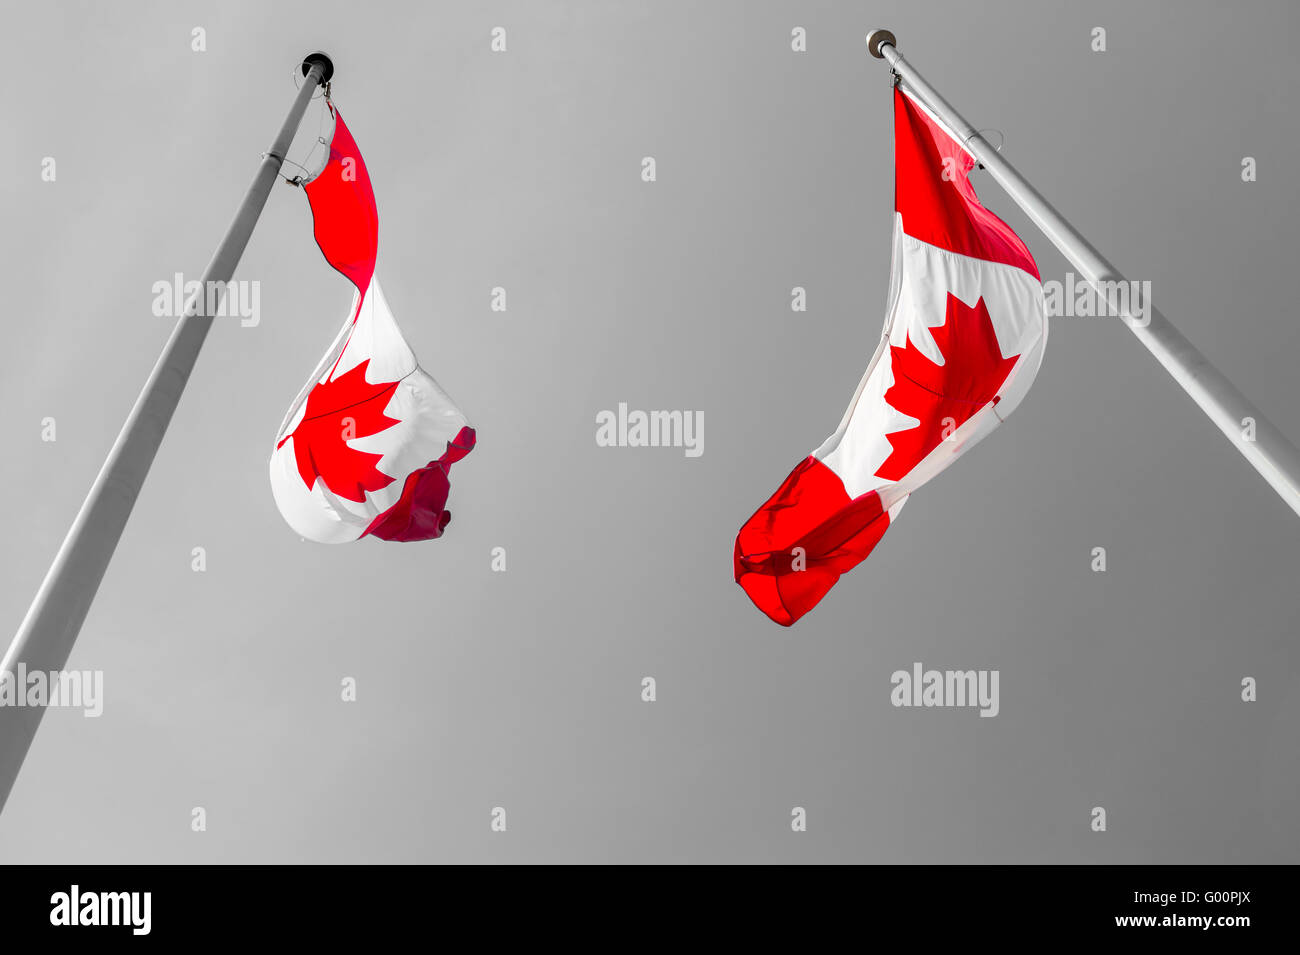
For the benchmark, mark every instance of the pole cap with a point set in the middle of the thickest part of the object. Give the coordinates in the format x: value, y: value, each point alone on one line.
x: 326, y: 64
x: 877, y: 37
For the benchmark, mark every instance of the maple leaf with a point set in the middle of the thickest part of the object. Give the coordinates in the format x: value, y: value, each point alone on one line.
x: 972, y: 372
x: 337, y: 411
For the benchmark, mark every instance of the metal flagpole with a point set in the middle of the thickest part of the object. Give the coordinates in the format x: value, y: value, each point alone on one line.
x: 1272, y: 455
x: 47, y: 634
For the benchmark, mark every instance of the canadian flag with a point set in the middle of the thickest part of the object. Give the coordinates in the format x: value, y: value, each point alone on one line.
x: 964, y: 335
x: 367, y: 444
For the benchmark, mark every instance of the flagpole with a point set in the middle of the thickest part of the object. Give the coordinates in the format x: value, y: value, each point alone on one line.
x: 45, y: 638
x: 1270, y: 452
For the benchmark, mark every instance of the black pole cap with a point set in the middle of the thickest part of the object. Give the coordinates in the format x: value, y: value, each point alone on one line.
x: 877, y: 37
x: 326, y: 65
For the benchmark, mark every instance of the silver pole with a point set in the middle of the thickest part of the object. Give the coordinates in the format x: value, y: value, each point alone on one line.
x: 54, y: 619
x: 1271, y: 453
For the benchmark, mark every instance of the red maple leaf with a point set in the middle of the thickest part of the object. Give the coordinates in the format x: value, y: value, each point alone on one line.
x: 339, y: 410
x: 972, y: 372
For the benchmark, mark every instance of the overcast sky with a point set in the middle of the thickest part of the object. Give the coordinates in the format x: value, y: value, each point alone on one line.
x: 522, y: 689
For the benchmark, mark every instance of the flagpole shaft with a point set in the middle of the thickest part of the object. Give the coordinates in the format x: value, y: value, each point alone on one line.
x: 1270, y: 452
x: 45, y: 638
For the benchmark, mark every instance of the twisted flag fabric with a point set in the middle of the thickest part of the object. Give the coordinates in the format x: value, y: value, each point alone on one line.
x: 367, y: 445
x: 963, y: 339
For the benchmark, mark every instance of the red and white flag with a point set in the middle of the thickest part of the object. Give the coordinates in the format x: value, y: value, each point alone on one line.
x: 367, y: 444
x: 964, y: 335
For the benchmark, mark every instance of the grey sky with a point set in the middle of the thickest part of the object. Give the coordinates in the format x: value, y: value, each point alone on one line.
x: 522, y: 689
